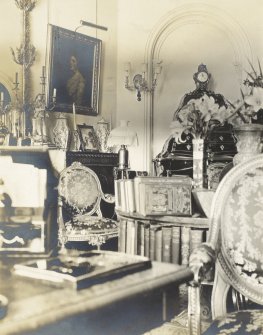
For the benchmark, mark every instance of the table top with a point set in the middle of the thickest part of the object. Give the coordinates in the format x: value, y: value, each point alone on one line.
x: 34, y: 305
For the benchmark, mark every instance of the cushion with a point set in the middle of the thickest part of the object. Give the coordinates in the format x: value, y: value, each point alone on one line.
x: 239, y: 323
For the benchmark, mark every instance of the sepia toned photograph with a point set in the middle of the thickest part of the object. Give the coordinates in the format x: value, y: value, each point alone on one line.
x: 131, y: 167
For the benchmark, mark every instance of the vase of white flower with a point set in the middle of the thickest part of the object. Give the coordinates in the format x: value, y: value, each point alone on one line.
x: 198, y: 117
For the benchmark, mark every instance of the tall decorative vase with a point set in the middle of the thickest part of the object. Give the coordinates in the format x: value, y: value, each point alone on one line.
x: 61, y: 132
x: 248, y: 141
x: 102, y: 132
x: 198, y: 162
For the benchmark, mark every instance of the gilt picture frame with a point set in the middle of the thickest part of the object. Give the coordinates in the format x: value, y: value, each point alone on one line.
x: 88, y: 138
x: 73, y: 71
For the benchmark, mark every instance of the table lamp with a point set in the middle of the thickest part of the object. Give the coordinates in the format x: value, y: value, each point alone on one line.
x: 122, y: 137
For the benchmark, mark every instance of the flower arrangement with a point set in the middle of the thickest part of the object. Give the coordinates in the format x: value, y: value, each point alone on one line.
x: 248, y: 109
x: 198, y: 117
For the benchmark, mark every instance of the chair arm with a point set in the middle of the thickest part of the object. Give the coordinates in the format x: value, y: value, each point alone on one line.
x: 201, y: 262
x: 61, y: 226
x: 109, y: 198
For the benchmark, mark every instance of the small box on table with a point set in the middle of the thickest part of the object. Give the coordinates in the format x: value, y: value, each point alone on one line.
x: 163, y: 195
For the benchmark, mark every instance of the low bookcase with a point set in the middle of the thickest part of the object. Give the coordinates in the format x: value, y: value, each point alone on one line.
x: 161, y: 238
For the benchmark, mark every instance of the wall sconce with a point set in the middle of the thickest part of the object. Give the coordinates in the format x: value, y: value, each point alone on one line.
x: 140, y: 84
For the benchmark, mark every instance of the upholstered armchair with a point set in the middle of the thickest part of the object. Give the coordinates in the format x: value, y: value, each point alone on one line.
x: 234, y: 253
x: 79, y: 214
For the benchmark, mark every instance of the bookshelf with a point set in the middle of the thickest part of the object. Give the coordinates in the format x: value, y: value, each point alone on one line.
x: 167, y: 239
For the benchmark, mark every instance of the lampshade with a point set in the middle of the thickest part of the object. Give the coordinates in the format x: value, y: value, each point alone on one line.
x: 122, y: 135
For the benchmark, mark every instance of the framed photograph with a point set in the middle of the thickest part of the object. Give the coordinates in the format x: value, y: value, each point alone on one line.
x: 73, y: 70
x: 88, y: 138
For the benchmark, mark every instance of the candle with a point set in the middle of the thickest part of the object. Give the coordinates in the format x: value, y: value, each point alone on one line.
x: 43, y: 71
x: 54, y: 92
x: 158, y: 68
x: 16, y: 82
x: 127, y: 67
x: 74, y: 117
x: 144, y: 67
x: 2, y: 97
x: 14, y: 123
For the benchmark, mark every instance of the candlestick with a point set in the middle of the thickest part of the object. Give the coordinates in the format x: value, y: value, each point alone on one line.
x: 74, y: 117
x: 127, y: 67
x: 14, y: 123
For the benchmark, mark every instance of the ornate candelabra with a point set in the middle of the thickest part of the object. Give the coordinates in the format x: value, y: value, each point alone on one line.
x: 25, y: 56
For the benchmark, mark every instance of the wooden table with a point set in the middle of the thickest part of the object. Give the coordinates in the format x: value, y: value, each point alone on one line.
x: 33, y: 305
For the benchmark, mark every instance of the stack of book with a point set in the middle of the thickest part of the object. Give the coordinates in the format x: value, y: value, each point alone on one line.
x: 154, y: 195
x: 163, y: 243
x: 125, y: 197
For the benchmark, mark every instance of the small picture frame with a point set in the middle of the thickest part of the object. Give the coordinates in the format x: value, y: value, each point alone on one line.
x: 88, y: 138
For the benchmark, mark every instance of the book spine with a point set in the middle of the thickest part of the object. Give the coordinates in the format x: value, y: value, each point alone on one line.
x: 130, y: 195
x: 123, y: 195
x: 117, y: 192
x: 122, y: 236
x: 147, y: 240
x: 176, y: 245
x: 140, y: 238
x: 196, y: 238
x: 152, y: 242
x: 135, y: 237
x: 136, y: 194
x: 185, y: 247
x: 130, y: 244
x: 167, y: 243
x: 158, y: 244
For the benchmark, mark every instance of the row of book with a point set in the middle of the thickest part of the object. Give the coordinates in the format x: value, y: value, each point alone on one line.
x: 154, y: 195
x: 163, y: 243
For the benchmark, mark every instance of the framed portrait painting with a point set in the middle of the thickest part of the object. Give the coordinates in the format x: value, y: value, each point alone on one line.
x: 73, y: 71
x: 88, y: 138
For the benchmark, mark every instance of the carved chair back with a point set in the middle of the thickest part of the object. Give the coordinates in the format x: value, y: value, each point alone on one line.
x: 79, y: 213
x: 80, y: 190
x: 237, y: 234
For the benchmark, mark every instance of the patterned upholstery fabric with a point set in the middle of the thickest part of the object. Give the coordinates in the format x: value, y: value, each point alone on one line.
x: 241, y: 229
x: 238, y: 323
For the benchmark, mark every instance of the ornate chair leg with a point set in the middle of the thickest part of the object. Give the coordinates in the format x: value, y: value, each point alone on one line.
x: 194, y: 310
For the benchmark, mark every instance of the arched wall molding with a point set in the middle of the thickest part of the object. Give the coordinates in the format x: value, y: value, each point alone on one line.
x: 192, y: 13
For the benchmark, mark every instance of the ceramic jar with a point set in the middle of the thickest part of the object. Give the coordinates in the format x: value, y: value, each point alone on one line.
x: 102, y: 132
x: 61, y: 132
x: 249, y: 141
